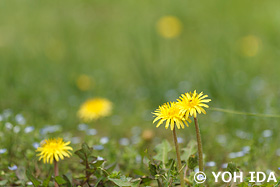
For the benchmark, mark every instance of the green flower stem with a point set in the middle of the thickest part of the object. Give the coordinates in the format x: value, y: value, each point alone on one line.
x: 199, y: 145
x: 56, y: 172
x: 180, y: 169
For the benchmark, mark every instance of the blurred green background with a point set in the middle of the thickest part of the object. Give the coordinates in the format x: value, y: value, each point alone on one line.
x: 228, y: 49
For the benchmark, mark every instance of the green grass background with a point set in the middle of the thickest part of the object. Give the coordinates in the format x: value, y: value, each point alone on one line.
x: 46, y: 45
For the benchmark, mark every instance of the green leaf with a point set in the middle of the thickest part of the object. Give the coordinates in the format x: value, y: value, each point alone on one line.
x: 86, y: 149
x: 68, y: 183
x: 135, y: 182
x: 146, y: 180
x: 97, y: 163
x: 60, y: 181
x: 98, y: 182
x: 192, y: 161
x: 153, y: 169
x: 232, y: 168
x: 191, y: 149
x: 46, y: 181
x: 278, y: 183
x: 81, y: 154
x: 126, y: 181
x: 91, y: 159
x: 85, y: 152
x: 32, y: 178
x: 115, y: 174
x: 3, y: 182
x: 162, y: 151
x: 120, y: 182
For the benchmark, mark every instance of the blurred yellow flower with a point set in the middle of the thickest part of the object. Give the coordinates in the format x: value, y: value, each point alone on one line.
x: 169, y: 27
x: 54, y: 149
x: 147, y: 134
x: 84, y: 82
x: 170, y: 112
x: 191, y: 103
x: 94, y: 109
x: 250, y: 45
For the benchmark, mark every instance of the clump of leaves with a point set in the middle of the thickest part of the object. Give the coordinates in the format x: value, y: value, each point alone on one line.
x: 162, y: 169
x: 92, y: 165
x: 231, y: 167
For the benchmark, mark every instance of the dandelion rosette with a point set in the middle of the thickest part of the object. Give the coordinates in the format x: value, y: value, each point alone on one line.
x: 170, y: 112
x: 94, y: 109
x: 52, y: 149
x: 192, y: 103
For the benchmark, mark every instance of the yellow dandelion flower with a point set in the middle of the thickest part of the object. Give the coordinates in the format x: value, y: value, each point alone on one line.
x: 191, y: 103
x: 54, y: 149
x: 170, y: 112
x: 84, y: 82
x: 250, y: 45
x: 94, y: 109
x: 169, y: 27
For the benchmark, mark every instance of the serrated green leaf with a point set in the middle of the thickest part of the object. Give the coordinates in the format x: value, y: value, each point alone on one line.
x: 46, y: 181
x: 59, y: 180
x: 34, y: 181
x: 153, y: 169
x: 80, y: 153
x: 191, y: 149
x: 162, y: 151
x: 120, y: 182
x: 126, y: 181
x: 3, y: 182
x: 86, y: 149
x: 68, y: 183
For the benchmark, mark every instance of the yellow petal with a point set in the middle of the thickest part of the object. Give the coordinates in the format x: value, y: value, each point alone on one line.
x: 157, y: 118
x: 203, y: 111
x: 160, y: 122
x: 204, y: 105
x: 205, y: 100
x: 199, y: 95
x: 172, y: 127
x: 197, y: 108
x: 51, y: 160
x: 203, y: 97
x: 56, y: 157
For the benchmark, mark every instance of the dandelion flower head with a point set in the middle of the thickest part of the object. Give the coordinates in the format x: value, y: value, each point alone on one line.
x: 170, y: 112
x: 169, y: 27
x: 52, y: 149
x: 193, y: 103
x: 94, y: 109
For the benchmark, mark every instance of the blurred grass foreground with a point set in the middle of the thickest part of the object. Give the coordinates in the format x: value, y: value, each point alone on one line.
x: 54, y: 56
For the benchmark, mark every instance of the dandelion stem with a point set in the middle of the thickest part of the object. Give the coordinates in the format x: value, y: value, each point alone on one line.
x: 178, y: 159
x: 199, y: 145
x: 56, y: 172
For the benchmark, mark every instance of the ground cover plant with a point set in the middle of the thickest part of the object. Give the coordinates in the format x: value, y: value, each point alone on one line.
x: 121, y: 61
